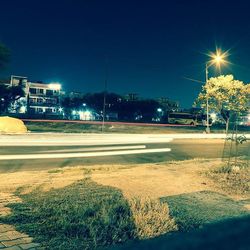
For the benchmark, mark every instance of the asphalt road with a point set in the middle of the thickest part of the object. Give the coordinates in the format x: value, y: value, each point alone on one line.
x: 46, y: 151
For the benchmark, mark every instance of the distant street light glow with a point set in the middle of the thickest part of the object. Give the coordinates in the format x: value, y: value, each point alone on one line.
x: 55, y: 86
x: 22, y: 109
x: 213, y: 116
x: 85, y: 115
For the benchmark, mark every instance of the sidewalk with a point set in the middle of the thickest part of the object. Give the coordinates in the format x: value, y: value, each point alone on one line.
x: 10, y: 238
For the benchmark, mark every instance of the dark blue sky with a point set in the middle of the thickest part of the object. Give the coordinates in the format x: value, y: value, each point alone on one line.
x: 149, y: 46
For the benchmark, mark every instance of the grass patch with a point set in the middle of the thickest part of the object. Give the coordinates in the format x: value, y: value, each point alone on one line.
x: 62, y: 127
x: 193, y: 210
x: 84, y: 215
x: 234, y: 180
x: 67, y: 127
x: 55, y: 171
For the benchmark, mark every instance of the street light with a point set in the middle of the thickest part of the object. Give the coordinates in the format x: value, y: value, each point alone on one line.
x: 217, y: 59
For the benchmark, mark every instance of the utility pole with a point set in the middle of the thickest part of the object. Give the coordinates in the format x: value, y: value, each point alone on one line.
x: 207, y: 128
x: 105, y: 95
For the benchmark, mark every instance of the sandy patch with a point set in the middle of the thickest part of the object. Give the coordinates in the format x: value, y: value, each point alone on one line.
x: 12, y: 125
x: 144, y: 180
x: 158, y: 180
x: 151, y: 180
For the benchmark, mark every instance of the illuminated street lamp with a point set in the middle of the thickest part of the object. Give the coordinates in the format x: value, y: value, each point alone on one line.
x: 217, y: 59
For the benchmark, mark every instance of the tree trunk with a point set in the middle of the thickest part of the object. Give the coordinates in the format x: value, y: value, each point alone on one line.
x: 227, y: 125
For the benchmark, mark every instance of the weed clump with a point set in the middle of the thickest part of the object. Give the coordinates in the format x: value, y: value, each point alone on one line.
x: 232, y: 179
x: 151, y: 217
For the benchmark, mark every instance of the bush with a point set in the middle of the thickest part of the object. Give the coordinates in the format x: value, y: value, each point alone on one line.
x: 151, y: 217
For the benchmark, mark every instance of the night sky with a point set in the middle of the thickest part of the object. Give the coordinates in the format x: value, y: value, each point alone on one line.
x: 148, y: 47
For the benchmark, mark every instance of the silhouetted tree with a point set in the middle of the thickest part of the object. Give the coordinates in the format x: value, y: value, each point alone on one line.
x: 8, y: 95
x: 145, y: 109
x: 95, y: 101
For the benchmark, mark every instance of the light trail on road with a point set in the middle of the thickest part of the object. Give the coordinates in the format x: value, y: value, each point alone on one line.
x: 81, y: 155
x: 62, y: 139
x: 195, y: 146
x: 94, y: 149
x: 80, y: 139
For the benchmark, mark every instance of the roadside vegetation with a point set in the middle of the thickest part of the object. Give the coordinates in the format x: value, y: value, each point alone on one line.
x: 232, y: 179
x: 83, y: 215
x: 86, y: 215
x: 68, y: 127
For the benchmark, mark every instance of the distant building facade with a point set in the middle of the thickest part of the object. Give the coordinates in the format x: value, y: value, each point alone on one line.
x: 40, y: 98
x: 43, y: 98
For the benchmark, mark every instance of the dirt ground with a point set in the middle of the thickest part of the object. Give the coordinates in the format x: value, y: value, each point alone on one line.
x: 144, y: 180
x: 158, y: 180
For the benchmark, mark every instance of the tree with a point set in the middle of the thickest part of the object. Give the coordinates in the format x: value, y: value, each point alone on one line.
x: 144, y: 109
x: 8, y: 95
x: 4, y: 56
x: 95, y: 101
x: 225, y: 95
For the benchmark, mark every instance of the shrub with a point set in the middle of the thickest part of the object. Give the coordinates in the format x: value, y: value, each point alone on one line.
x: 151, y: 217
x: 232, y: 179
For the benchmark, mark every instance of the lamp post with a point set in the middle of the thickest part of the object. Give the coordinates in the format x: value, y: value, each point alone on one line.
x: 105, y: 95
x: 207, y: 128
x: 217, y: 58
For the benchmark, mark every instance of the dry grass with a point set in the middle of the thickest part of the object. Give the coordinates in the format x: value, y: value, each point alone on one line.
x: 231, y: 179
x: 151, y: 217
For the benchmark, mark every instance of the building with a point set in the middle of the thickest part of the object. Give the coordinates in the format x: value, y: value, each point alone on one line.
x: 40, y: 98
x: 43, y: 98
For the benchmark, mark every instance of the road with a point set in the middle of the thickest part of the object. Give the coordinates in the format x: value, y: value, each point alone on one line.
x: 46, y: 151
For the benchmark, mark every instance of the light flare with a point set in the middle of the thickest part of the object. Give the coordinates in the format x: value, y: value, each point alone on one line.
x: 218, y: 58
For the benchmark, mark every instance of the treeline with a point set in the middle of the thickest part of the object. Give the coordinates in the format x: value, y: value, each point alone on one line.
x: 117, y: 105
